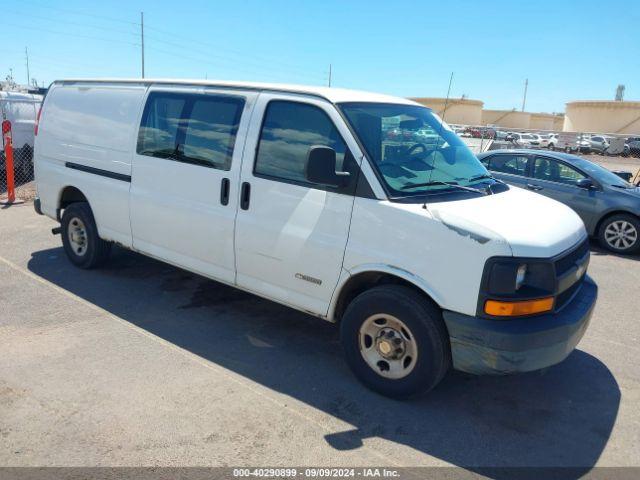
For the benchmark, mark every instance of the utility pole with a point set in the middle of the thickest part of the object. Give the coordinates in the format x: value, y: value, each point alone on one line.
x: 26, y: 56
x: 329, y: 74
x: 524, y: 98
x: 142, y: 39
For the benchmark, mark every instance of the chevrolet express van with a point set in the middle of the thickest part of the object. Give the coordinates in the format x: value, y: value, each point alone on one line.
x: 362, y: 209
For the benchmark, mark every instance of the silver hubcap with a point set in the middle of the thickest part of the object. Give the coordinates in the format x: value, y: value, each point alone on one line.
x: 621, y: 234
x: 77, y: 235
x: 388, y: 346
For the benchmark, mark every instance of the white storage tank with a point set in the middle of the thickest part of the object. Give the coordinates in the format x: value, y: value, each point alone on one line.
x: 513, y: 119
x: 543, y: 121
x: 602, y: 117
x: 459, y: 111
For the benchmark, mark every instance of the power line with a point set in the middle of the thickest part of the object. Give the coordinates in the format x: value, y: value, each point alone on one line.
x: 236, y: 65
x: 84, y: 14
x: 270, y: 61
x: 259, y: 63
x: 57, y: 21
x: 40, y: 29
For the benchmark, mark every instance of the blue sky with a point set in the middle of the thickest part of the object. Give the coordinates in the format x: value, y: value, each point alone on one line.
x: 568, y: 50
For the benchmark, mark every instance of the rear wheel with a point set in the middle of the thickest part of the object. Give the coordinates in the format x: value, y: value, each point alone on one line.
x: 80, y: 237
x: 395, y: 341
x: 620, y: 233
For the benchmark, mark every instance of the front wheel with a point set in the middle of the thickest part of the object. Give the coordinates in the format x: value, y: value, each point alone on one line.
x: 83, y: 246
x: 395, y: 341
x: 620, y: 233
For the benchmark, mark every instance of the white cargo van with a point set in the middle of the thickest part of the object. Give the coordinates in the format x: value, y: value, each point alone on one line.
x: 362, y: 209
x: 20, y: 110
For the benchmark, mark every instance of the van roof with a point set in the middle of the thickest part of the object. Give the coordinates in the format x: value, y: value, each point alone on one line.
x: 334, y: 95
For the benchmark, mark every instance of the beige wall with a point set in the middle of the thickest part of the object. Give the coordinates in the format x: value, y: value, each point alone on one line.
x: 542, y: 121
x: 603, y: 117
x: 506, y: 118
x: 558, y: 123
x: 459, y: 111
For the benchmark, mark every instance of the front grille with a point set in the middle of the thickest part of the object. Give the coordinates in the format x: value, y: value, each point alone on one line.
x: 566, y: 296
x: 568, y: 261
x: 564, y: 266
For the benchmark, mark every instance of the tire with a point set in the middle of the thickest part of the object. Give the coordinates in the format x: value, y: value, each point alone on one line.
x: 83, y: 246
x: 609, y: 231
x: 421, y: 335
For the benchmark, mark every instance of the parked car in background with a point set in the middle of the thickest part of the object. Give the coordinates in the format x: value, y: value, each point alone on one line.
x: 20, y: 111
x: 631, y: 147
x: 608, y: 205
x: 598, y: 144
x: 523, y: 139
x: 424, y: 260
x: 583, y: 145
x: 544, y: 139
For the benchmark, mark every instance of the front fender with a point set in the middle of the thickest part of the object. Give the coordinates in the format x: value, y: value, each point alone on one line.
x: 406, y: 275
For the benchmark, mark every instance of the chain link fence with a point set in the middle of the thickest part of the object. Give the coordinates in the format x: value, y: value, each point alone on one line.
x: 18, y: 110
x: 22, y: 173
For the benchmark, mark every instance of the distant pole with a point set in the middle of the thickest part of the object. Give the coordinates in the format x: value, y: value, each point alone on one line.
x: 142, y: 38
x: 26, y: 56
x: 524, y: 98
x: 329, y: 74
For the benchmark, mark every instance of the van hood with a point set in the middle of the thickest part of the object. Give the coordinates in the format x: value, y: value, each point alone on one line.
x: 531, y: 224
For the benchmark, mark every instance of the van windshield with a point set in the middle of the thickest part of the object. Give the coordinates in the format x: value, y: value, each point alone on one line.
x: 414, y: 152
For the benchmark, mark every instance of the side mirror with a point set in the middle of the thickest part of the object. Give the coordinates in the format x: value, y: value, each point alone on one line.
x: 585, y: 183
x: 321, y: 167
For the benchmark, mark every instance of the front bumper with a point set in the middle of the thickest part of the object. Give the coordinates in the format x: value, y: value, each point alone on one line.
x: 499, y: 347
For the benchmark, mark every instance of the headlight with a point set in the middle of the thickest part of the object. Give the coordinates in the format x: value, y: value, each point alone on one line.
x: 517, y: 286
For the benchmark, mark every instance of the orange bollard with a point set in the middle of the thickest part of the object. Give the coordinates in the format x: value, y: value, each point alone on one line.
x: 8, y: 155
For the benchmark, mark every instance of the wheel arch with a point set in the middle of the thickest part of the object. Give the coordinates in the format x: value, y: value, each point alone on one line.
x: 68, y: 195
x: 357, y: 281
x: 610, y: 214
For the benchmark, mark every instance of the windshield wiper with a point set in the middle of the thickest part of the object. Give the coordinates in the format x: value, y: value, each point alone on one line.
x: 482, y: 176
x: 446, y: 184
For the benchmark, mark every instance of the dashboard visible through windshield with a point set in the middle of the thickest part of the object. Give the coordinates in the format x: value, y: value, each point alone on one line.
x: 414, y: 152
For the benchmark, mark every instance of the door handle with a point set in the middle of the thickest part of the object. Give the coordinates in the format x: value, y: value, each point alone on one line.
x: 225, y: 187
x: 245, y: 195
x: 531, y: 186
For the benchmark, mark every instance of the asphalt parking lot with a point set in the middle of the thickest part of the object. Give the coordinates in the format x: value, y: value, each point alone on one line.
x: 140, y: 363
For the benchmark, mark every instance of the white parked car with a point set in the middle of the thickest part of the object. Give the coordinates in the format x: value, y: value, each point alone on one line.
x: 293, y: 193
x: 20, y: 110
x: 543, y: 139
x: 524, y: 140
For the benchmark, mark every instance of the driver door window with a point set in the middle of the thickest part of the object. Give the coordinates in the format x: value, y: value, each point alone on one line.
x: 288, y: 131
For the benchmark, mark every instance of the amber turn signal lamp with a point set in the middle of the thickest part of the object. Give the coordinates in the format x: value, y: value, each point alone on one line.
x: 519, y: 308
